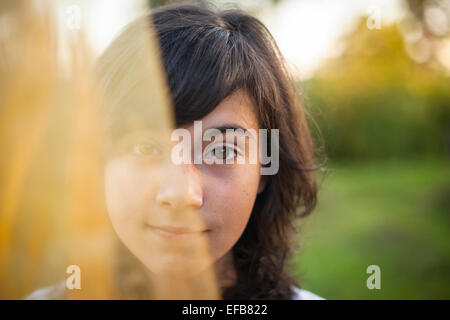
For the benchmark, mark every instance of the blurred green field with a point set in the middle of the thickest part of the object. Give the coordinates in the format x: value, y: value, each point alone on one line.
x: 392, y: 214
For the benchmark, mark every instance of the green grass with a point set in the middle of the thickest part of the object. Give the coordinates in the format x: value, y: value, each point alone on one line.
x: 393, y: 214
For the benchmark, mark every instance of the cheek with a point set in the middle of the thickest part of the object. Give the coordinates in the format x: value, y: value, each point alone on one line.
x: 229, y: 203
x: 124, y: 192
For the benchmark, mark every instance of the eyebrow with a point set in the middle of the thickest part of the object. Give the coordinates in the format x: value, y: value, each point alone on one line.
x: 233, y: 127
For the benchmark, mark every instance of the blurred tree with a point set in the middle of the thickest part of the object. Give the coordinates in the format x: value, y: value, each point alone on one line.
x: 426, y: 30
x: 158, y: 3
x: 433, y: 15
x: 374, y: 102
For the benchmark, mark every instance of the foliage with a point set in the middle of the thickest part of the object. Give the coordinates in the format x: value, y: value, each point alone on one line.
x: 374, y: 102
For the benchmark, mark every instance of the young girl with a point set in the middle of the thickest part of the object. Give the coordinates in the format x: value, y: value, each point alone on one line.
x: 224, y: 69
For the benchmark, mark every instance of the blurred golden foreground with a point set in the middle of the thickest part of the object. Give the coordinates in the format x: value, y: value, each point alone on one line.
x: 53, y: 146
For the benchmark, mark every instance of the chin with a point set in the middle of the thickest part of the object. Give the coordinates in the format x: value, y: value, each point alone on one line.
x: 177, y: 265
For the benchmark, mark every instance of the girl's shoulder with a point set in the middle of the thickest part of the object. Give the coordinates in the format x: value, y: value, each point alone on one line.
x: 302, y: 294
x: 54, y: 292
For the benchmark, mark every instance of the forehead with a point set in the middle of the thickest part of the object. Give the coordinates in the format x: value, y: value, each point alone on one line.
x: 237, y: 109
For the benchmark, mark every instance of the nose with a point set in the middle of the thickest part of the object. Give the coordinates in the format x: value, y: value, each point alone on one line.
x: 181, y: 188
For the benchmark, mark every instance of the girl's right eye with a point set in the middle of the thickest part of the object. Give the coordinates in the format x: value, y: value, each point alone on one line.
x: 146, y: 149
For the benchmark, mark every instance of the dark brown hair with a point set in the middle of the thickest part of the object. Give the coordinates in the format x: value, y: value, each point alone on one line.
x: 208, y: 55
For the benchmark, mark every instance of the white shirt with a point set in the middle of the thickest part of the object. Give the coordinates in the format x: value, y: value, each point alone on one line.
x: 57, y: 292
x: 301, y: 294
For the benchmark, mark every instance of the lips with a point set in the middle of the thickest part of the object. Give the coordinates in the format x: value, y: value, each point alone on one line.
x: 173, y: 231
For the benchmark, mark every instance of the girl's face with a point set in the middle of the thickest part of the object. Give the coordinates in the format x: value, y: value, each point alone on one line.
x: 161, y: 211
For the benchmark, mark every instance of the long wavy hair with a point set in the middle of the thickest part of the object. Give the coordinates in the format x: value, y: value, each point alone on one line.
x: 207, y: 55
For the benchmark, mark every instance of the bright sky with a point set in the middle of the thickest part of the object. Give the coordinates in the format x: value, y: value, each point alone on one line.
x: 306, y: 30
